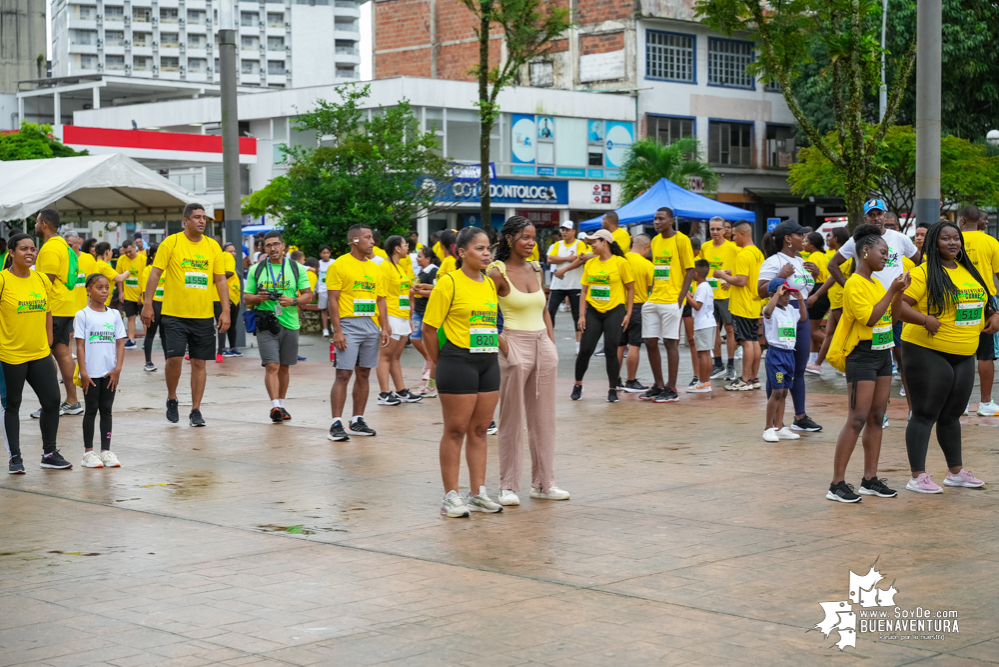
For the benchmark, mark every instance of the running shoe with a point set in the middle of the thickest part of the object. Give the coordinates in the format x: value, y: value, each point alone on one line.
x: 717, y: 372
x: 225, y: 352
x: 612, y: 396
x: 326, y: 333
x: 738, y: 353
x: 218, y: 358
x: 92, y: 460
x: 814, y: 369
x: 651, y: 394
x: 406, y: 396
x: 388, y: 398
x: 963, y: 478
x: 787, y: 434
x: 301, y: 358
x: 337, y: 434
x: 738, y: 385
x: 577, y: 392
x: 730, y: 374
x: 667, y: 395
x: 149, y: 367
x: 196, y: 418
x: 234, y: 352
x: 618, y: 384
x: 842, y: 492
x: 70, y: 409
x: 553, y: 493
x: 359, y: 427
x: 701, y: 388
x: 770, y: 435
x: 454, y: 506
x: 923, y: 484
x: 967, y: 410
x: 756, y: 383
x: 426, y: 374
x: 276, y: 415
x: 901, y: 391
x: 987, y: 409
x: 884, y: 421
x: 805, y: 424
x: 130, y: 345
x: 285, y: 416
x: 55, y: 461
x: 493, y: 428
x: 508, y: 498
x: 427, y: 392
x: 636, y: 387
x: 173, y: 414
x: 37, y: 414
x: 599, y: 353
x: 694, y: 381
x: 877, y: 486
x: 481, y: 502
x: 15, y: 466
x: 109, y: 459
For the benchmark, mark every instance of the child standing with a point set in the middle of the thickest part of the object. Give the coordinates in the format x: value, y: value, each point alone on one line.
x: 100, y: 345
x: 780, y: 328
x: 702, y: 302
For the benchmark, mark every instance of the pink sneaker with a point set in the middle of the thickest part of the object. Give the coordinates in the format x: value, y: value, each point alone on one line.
x: 963, y: 478
x: 815, y: 369
x: 923, y: 484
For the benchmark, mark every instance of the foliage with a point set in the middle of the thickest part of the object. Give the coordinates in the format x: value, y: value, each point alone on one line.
x: 34, y: 142
x: 530, y: 28
x: 967, y: 173
x: 649, y: 160
x: 380, y: 172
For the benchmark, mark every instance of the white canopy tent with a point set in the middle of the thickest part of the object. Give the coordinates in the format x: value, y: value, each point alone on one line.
x: 92, y: 187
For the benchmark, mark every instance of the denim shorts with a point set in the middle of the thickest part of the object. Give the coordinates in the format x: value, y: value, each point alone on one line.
x: 417, y: 326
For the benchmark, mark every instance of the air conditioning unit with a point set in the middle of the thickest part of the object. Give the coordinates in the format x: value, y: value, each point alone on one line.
x: 100, y: 67
x: 260, y: 24
x: 180, y: 22
x: 288, y: 48
x: 100, y: 43
x: 128, y: 67
x: 287, y: 24
x: 209, y: 70
x: 183, y: 70
x: 128, y: 20
x: 128, y: 43
x: 99, y: 17
x: 287, y: 72
x: 153, y: 20
x: 182, y: 47
x: 155, y: 44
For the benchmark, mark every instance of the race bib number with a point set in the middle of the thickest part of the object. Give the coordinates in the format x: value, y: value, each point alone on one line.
x: 482, y: 340
x: 159, y: 293
x: 600, y: 293
x: 882, y: 338
x: 660, y: 272
x: 364, y: 307
x: 81, y: 279
x: 969, y: 314
x: 195, y: 280
x: 404, y: 303
x: 786, y: 334
x: 132, y: 281
x: 713, y: 283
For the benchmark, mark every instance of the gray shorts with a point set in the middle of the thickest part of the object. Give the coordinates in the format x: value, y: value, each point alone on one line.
x: 722, y: 314
x: 278, y: 349
x: 324, y: 300
x: 704, y: 339
x: 363, y: 341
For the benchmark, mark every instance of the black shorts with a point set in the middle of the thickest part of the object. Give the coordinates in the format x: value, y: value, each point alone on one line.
x: 819, y: 309
x: 867, y: 365
x: 182, y: 335
x: 746, y: 328
x: 61, y: 328
x: 633, y: 334
x: 986, y: 347
x: 462, y: 372
x: 688, y: 312
x: 722, y: 315
x: 132, y: 308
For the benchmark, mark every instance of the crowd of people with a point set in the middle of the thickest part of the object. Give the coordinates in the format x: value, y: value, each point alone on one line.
x: 477, y: 311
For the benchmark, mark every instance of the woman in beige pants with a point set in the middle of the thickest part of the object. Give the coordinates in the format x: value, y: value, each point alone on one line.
x: 528, y: 366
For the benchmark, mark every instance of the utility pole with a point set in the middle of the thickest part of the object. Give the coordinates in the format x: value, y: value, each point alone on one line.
x: 883, y: 94
x: 929, y: 16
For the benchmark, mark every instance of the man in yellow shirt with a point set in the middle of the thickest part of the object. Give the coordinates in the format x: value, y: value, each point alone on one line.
x: 377, y: 249
x: 720, y: 255
x: 131, y: 263
x: 621, y: 236
x: 631, y: 338
x: 140, y: 245
x: 194, y: 271
x: 983, y: 251
x: 745, y: 304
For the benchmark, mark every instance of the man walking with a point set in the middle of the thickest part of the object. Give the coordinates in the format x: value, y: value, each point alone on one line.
x: 720, y: 255
x: 132, y: 263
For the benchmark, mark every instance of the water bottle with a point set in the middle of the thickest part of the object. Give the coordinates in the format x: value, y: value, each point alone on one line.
x: 332, y: 353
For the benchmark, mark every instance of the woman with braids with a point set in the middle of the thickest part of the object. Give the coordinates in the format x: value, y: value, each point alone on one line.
x: 459, y: 332
x: 837, y: 239
x: 398, y: 275
x: 528, y: 362
x: 865, y: 330
x: 609, y: 295
x: 944, y: 310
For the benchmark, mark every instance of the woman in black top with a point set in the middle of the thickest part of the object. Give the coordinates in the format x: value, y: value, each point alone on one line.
x: 424, y: 284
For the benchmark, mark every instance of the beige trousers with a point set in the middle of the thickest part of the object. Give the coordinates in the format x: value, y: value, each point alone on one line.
x: 527, y: 386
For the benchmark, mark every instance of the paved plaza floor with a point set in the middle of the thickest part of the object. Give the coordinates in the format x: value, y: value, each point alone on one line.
x: 688, y: 540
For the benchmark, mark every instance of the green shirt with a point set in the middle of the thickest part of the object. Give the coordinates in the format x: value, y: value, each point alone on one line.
x: 285, y: 277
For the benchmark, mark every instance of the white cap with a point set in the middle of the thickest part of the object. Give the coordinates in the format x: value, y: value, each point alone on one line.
x: 567, y: 225
x: 582, y: 236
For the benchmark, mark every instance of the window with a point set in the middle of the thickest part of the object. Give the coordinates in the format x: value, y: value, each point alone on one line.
x: 87, y: 61
x: 141, y: 38
x: 114, y: 12
x: 141, y: 14
x: 668, y: 130
x: 249, y: 42
x: 251, y: 67
x: 773, y: 87
x: 195, y: 16
x: 197, y: 65
x: 727, y: 62
x: 730, y: 144
x: 83, y: 37
x: 347, y: 48
x: 669, y: 56
x: 249, y: 19
x: 114, y: 62
x: 170, y: 40
x: 347, y: 26
x: 196, y: 41
x: 542, y: 74
x: 114, y: 37
x: 275, y: 20
x: 276, y: 67
x: 86, y: 13
x: 781, y: 150
x: 170, y: 64
x: 168, y: 15
x: 141, y: 63
x: 276, y: 44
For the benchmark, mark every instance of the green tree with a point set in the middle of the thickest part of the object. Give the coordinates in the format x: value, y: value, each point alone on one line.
x: 790, y: 35
x: 649, y: 160
x: 380, y: 172
x: 530, y: 28
x: 34, y: 142
x: 967, y: 172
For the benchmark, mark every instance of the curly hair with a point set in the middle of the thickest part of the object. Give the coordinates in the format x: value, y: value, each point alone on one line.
x: 512, y: 229
x: 940, y: 289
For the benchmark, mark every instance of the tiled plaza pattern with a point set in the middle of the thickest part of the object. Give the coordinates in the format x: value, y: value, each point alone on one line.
x: 688, y: 539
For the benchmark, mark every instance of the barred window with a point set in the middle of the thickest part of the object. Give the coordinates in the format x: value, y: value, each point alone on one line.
x: 668, y: 130
x: 730, y: 144
x: 669, y: 56
x: 727, y: 62
x: 773, y: 87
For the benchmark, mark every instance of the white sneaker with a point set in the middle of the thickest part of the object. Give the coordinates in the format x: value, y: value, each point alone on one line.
x: 427, y: 392
x: 884, y: 422
x: 454, y: 505
x: 326, y: 333
x: 577, y: 349
x: 988, y: 409
x: 508, y: 498
x: 967, y: 410
x: 770, y: 435
x: 426, y: 375
x: 553, y: 493
x: 92, y: 460
x: 738, y: 353
x: 481, y: 502
x: 110, y: 460
x: 787, y: 434
x: 901, y: 391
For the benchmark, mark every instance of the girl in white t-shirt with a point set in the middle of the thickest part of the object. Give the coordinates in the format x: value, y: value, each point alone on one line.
x: 100, y: 346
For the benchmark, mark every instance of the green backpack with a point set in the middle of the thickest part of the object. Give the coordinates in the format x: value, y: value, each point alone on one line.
x: 72, y: 276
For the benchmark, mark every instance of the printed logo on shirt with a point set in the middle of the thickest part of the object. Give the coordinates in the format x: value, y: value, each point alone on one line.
x: 892, y: 258
x: 484, y: 316
x: 366, y: 285
x: 197, y: 262
x: 35, y: 304
x: 106, y: 336
x: 600, y: 278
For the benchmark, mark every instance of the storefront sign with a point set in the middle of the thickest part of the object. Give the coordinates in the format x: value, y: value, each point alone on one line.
x: 619, y: 140
x: 547, y: 218
x: 511, y: 191
x: 523, y: 136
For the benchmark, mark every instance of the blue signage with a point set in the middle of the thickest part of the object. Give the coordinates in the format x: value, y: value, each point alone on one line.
x: 570, y: 173
x: 522, y: 171
x: 595, y: 173
x: 546, y: 171
x: 510, y: 191
x: 772, y: 224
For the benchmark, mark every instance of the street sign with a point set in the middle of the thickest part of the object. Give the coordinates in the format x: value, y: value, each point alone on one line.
x: 772, y: 224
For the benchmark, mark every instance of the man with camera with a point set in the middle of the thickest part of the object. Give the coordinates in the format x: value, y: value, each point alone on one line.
x: 275, y: 288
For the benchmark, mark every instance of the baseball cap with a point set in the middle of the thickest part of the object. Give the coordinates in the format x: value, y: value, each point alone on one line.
x: 872, y: 204
x: 137, y: 235
x: 790, y: 227
x: 776, y: 283
x: 582, y: 236
x: 567, y: 225
x: 603, y: 235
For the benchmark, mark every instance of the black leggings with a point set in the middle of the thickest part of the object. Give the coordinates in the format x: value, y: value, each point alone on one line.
x: 940, y: 385
x: 150, y: 334
x: 233, y: 314
x: 98, y: 398
x: 555, y: 299
x: 40, y: 374
x: 608, y: 324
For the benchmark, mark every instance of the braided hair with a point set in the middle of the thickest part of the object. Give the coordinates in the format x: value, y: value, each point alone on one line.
x: 866, y: 236
x: 93, y: 278
x: 940, y: 289
x: 391, y: 243
x: 513, y: 228
x: 465, y: 238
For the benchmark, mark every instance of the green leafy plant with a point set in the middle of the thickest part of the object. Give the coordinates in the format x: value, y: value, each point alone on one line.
x: 649, y: 160
x: 33, y: 142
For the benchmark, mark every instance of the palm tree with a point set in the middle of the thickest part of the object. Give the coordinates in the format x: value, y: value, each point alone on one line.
x: 649, y: 160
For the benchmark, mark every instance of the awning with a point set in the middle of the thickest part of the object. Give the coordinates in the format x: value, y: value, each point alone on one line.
x: 788, y: 198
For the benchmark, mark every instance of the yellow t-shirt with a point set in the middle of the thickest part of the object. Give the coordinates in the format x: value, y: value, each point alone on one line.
x: 820, y: 260
x: 958, y: 334
x: 379, y: 252
x: 85, y: 265
x: 447, y: 266
x: 720, y: 257
x: 623, y: 239
x: 359, y: 283
x: 229, y: 266
x: 438, y: 251
x: 134, y: 268
x: 535, y: 254
x: 909, y: 265
x: 642, y: 270
x: 144, y: 281
x: 23, y: 305
x: 835, y: 292
x: 398, y: 279
x: 313, y: 280
x: 108, y: 272
x: 860, y: 295
x: 830, y: 253
x: 983, y: 250
x: 466, y: 309
x: 672, y: 258
x: 190, y: 270
x: 745, y: 301
x: 606, y: 282
x: 54, y: 258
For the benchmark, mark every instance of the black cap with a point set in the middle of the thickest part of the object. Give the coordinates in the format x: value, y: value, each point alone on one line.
x: 137, y: 235
x: 790, y: 227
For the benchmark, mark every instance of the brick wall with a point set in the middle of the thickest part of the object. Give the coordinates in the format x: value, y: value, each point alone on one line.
x: 596, y: 11
x: 603, y: 43
x: 401, y: 23
x: 403, y: 63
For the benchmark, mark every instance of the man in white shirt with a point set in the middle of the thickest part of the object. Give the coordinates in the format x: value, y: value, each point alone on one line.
x: 566, y: 281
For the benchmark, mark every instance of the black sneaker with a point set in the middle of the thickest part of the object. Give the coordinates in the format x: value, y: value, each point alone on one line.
x: 651, y: 394
x: 717, y: 372
x: 276, y: 415
x: 284, y: 415
x: 337, y: 434
x: 842, y: 492
x: 388, y: 398
x: 55, y: 461
x: 634, y: 387
x: 876, y: 487
x: 15, y: 466
x: 612, y: 396
x: 196, y: 418
x: 805, y: 424
x: 493, y: 428
x: 694, y: 381
x: 173, y: 415
x: 577, y: 392
x: 406, y: 396
x: 667, y: 395
x: 360, y: 428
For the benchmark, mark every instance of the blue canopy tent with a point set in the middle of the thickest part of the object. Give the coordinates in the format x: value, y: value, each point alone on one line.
x: 685, y: 204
